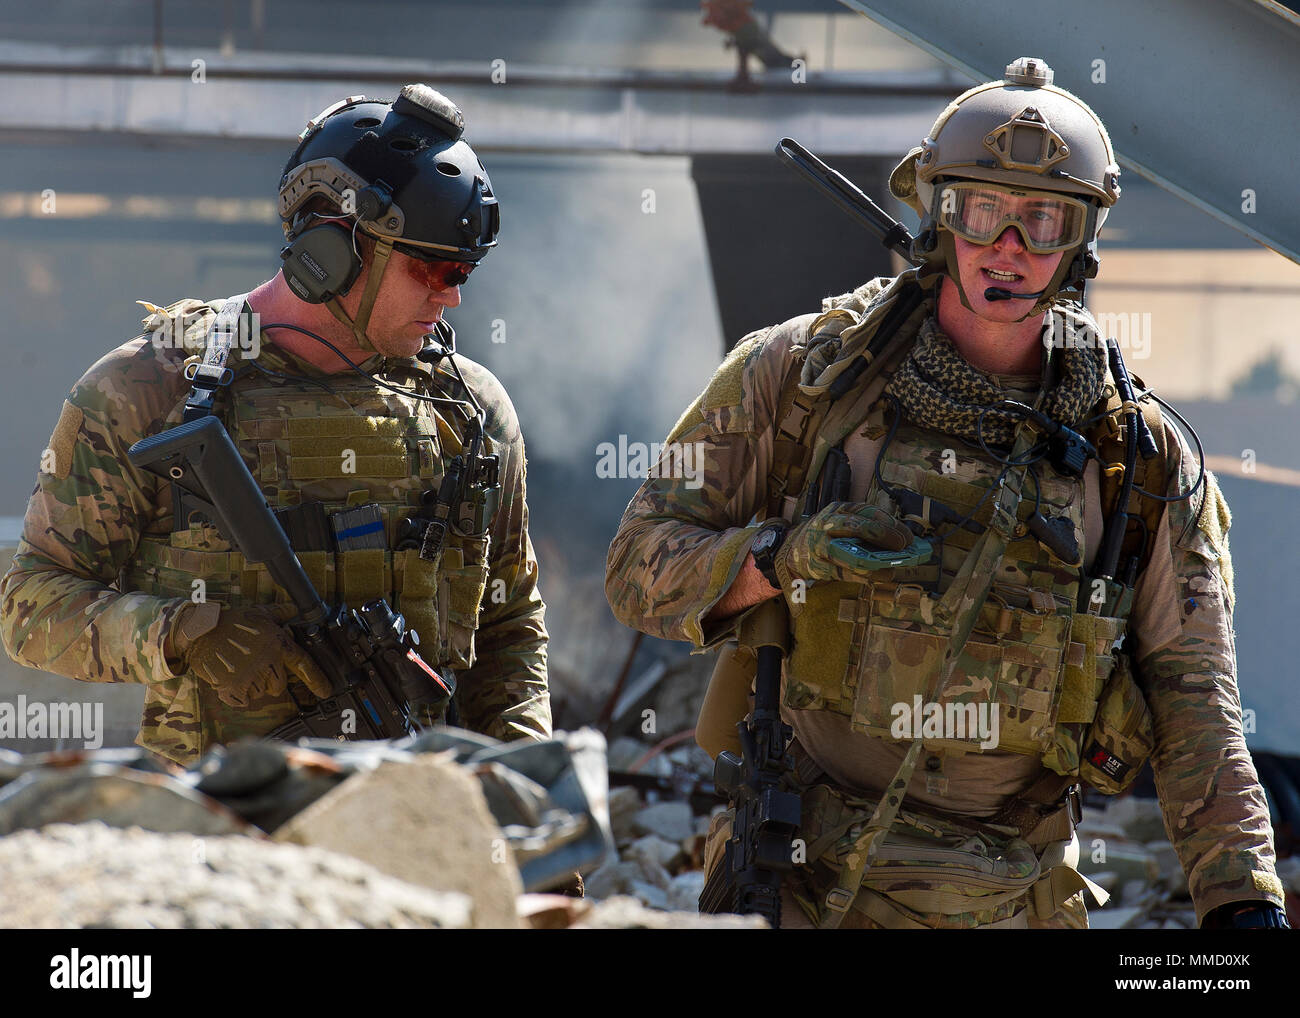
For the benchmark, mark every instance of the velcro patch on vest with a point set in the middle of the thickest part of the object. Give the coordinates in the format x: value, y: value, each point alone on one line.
x: 314, y: 467
x: 338, y: 445
x: 1079, y: 688
x: 1107, y: 763
x: 726, y: 389
x: 64, y: 439
x: 1215, y: 518
x: 346, y: 426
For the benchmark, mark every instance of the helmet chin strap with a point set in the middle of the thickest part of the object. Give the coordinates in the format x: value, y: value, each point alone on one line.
x: 948, y: 249
x: 941, y: 258
x: 378, y: 265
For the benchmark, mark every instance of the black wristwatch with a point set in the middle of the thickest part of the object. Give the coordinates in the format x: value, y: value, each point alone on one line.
x: 767, y: 542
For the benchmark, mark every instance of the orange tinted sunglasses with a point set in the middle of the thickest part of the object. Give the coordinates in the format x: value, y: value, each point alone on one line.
x: 437, y: 274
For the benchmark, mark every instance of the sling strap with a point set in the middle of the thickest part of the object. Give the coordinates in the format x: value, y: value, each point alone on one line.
x: 211, y: 374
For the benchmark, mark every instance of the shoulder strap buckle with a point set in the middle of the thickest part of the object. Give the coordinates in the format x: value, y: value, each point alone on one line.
x: 211, y: 374
x: 208, y: 376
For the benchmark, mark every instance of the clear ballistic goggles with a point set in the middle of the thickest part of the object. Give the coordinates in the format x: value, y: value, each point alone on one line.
x: 979, y: 212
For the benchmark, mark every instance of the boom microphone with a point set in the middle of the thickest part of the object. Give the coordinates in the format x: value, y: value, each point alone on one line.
x: 997, y: 293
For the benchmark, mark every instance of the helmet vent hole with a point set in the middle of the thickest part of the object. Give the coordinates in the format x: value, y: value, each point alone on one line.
x: 365, y: 123
x: 404, y: 144
x: 449, y: 169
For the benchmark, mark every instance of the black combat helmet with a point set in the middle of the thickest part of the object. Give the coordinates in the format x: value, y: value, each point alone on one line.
x: 403, y: 168
x: 396, y: 172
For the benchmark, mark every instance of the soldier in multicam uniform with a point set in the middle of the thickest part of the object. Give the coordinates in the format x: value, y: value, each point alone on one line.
x: 922, y: 572
x: 387, y: 211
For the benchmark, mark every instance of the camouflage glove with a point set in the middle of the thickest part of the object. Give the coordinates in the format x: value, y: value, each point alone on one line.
x: 847, y: 541
x: 248, y: 655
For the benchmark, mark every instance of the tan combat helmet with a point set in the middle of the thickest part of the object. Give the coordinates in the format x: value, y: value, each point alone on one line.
x: 1022, y: 131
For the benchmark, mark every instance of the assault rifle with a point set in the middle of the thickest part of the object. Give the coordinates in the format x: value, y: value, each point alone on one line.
x: 368, y: 654
x: 747, y: 880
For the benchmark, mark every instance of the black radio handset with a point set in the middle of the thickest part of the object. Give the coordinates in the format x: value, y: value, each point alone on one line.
x: 467, y: 500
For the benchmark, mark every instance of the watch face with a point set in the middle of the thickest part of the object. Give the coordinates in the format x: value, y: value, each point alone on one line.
x: 763, y: 541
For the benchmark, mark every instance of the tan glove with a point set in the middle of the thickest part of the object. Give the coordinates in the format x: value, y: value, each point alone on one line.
x: 247, y: 654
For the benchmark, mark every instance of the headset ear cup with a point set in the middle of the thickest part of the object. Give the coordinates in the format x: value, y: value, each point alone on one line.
x: 320, y: 263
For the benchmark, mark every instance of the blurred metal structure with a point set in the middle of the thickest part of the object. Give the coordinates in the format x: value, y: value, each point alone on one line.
x: 1199, y: 95
x: 647, y: 76
x: 543, y: 109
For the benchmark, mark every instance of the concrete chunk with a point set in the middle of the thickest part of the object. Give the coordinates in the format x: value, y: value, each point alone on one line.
x: 672, y: 821
x: 684, y: 891
x: 653, y: 849
x: 425, y: 822
x: 612, y: 879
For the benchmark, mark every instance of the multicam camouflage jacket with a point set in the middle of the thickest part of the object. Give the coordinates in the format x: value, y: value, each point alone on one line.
x: 101, y: 573
x: 681, y: 544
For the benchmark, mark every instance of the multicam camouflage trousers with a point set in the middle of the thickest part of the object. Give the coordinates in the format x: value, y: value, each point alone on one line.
x: 872, y: 910
x: 1073, y: 915
x: 930, y: 873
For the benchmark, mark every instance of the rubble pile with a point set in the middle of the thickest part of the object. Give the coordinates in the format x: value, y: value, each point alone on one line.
x: 658, y: 830
x: 447, y: 830
x: 93, y: 875
x: 1122, y: 847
